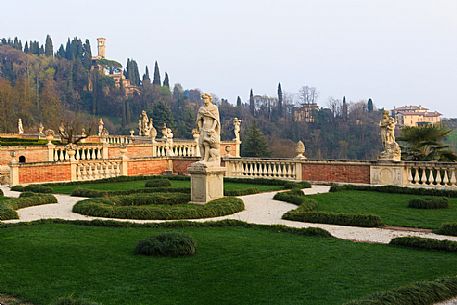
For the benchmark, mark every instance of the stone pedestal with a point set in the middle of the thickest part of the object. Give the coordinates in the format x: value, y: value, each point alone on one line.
x: 207, y: 182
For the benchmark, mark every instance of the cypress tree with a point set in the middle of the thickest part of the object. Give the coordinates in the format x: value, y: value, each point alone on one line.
x: 26, y: 48
x: 345, y: 109
x: 370, y: 105
x: 41, y: 50
x: 48, y: 49
x: 238, y: 102
x: 251, y: 103
x: 279, y: 100
x: 146, y: 78
x: 61, y: 52
x: 87, y: 55
x: 68, y: 50
x: 156, y: 79
x: 166, y: 81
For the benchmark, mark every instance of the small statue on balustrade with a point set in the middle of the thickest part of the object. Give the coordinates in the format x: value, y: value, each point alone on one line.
x: 101, y: 126
x: 391, y: 150
x: 237, y: 128
x: 20, y: 128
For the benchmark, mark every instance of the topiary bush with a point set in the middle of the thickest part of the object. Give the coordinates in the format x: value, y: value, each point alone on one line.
x: 303, y: 213
x: 425, y: 243
x: 158, y: 183
x: 27, y: 194
x: 428, y: 203
x: 70, y: 300
x: 167, y: 244
x: 7, y: 212
x: 447, y: 229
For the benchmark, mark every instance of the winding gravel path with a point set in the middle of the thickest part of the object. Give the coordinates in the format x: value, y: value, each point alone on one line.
x: 259, y: 209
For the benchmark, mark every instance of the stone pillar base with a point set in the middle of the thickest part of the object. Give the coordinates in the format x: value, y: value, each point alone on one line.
x: 207, y: 183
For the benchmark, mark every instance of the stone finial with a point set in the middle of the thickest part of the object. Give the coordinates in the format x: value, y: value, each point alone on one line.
x: 300, y: 150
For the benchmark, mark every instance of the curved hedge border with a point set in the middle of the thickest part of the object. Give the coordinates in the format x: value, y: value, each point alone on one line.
x: 8, y: 207
x: 294, y: 196
x: 81, y: 192
x: 419, y: 293
x: 428, y: 203
x: 105, y: 208
x: 341, y: 219
x: 447, y: 229
x: 425, y: 243
x: 147, y: 199
x: 36, y: 188
x: 311, y: 232
x: 395, y: 189
x: 157, y: 183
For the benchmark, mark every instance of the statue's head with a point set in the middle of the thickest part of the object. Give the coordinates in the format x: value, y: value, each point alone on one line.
x: 207, y: 99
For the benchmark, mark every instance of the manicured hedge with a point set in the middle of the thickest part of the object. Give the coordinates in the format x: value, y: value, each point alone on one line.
x: 447, y: 229
x: 147, y: 199
x: 263, y: 181
x: 81, y: 192
x: 27, y: 194
x: 158, y: 183
x: 419, y: 293
x: 121, y: 179
x: 396, y: 189
x: 428, y: 203
x: 104, y: 208
x: 303, y: 214
x: 295, y: 196
x: 8, y: 207
x: 36, y: 188
x: 242, y: 192
x: 311, y: 231
x: 167, y: 244
x: 425, y: 243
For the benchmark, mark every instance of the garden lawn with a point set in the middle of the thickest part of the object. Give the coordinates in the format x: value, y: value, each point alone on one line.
x: 129, y: 185
x: 232, y: 265
x: 392, y: 208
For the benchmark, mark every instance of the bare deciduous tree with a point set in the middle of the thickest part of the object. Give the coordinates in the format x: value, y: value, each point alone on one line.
x: 308, y: 95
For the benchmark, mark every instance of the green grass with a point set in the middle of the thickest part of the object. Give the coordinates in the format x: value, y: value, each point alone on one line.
x: 392, y: 208
x: 129, y: 185
x: 232, y: 265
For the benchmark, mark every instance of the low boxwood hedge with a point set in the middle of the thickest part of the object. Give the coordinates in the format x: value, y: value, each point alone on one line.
x: 146, y: 199
x: 447, y: 229
x: 36, y: 188
x: 8, y: 207
x: 428, y: 203
x: 396, y: 189
x: 294, y: 196
x: 419, y: 293
x: 287, y: 184
x: 167, y: 244
x: 303, y: 213
x: 425, y: 243
x: 81, y: 192
x: 104, y: 207
x: 158, y: 183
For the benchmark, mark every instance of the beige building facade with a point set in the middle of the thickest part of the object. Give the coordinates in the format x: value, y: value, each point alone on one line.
x: 415, y: 116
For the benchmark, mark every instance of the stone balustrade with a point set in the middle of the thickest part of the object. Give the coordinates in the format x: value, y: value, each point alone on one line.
x: 264, y: 168
x: 84, y: 152
x: 99, y: 169
x: 118, y: 140
x: 431, y: 174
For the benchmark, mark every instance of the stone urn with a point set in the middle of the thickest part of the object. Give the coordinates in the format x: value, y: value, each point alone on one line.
x: 71, y: 151
x: 300, y: 151
x: 49, y: 135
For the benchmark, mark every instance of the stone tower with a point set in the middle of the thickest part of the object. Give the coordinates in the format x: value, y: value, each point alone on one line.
x: 101, y: 47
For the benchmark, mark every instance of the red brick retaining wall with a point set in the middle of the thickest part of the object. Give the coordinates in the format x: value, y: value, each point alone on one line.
x: 343, y: 172
x: 147, y: 167
x: 43, y: 173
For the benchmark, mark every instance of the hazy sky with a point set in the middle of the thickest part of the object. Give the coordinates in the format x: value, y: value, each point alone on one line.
x: 398, y: 52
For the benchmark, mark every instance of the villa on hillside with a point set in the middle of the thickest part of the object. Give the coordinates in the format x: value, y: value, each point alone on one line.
x: 415, y: 116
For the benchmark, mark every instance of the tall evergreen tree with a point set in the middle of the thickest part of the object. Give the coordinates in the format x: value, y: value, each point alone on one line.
x: 370, y: 105
x: 238, y: 102
x: 345, y: 109
x: 68, y: 54
x: 48, y: 49
x: 280, y: 106
x: 251, y: 103
x: 156, y: 79
x: 166, y: 81
x: 87, y: 55
x: 26, y: 48
x: 254, y: 143
x: 61, y: 52
x: 146, y: 78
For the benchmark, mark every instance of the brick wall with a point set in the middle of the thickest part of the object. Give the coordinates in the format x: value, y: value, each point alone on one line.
x: 31, y: 154
x: 147, y: 166
x: 133, y: 151
x: 180, y: 165
x: 334, y: 171
x: 232, y: 151
x: 42, y: 173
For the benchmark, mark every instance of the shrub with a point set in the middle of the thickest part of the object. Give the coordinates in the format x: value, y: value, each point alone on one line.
x: 146, y: 199
x: 428, y: 203
x: 264, y: 181
x: 36, y: 188
x: 121, y: 179
x: 27, y: 194
x: 447, y: 229
x: 1, y: 193
x: 419, y: 293
x: 81, y: 192
x: 70, y: 300
x: 360, y: 220
x: 6, y: 212
x: 294, y: 196
x: 242, y: 192
x: 425, y: 243
x: 395, y: 189
x: 17, y: 188
x: 299, y: 185
x: 167, y: 244
x: 103, y: 207
x: 158, y: 183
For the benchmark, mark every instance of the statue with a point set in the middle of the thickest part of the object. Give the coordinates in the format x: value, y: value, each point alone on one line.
x: 143, y: 124
x: 100, y: 126
x: 300, y: 151
x: 152, y: 131
x: 236, y: 128
x: 62, y: 128
x: 167, y: 136
x: 20, y: 127
x: 40, y: 129
x: 83, y: 132
x: 391, y: 150
x: 209, y: 127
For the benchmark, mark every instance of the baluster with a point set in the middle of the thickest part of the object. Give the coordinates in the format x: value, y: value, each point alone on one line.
x: 94, y: 154
x: 452, y: 180
x: 410, y: 176
x: 99, y: 153
x: 56, y: 155
x: 438, y: 176
x: 445, y: 182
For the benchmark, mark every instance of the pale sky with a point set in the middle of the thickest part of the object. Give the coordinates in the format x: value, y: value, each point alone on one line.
x: 398, y: 52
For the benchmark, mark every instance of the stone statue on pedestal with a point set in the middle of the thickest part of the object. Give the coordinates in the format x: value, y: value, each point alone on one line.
x: 143, y: 124
x: 209, y: 127
x: 40, y: 129
x: 237, y: 128
x: 20, y: 128
x: 391, y: 150
x: 100, y: 126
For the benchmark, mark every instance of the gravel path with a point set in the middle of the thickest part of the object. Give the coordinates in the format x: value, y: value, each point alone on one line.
x: 259, y: 209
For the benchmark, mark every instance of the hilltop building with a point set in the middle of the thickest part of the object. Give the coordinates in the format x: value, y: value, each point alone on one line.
x: 305, y: 112
x: 415, y: 116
